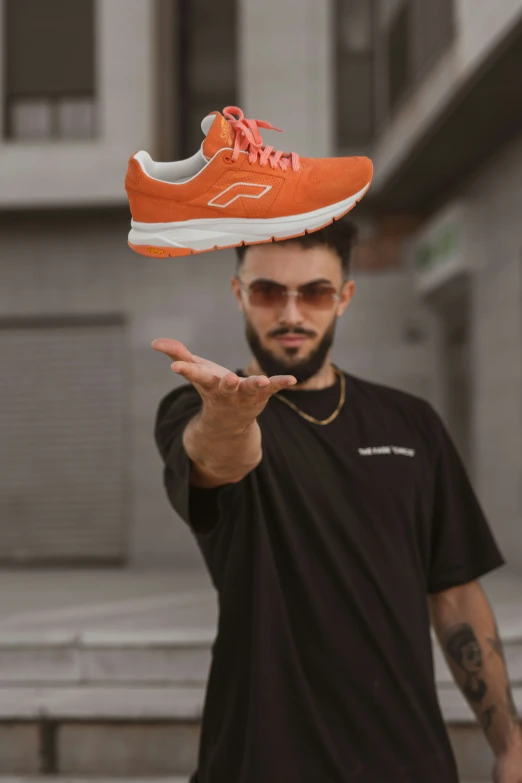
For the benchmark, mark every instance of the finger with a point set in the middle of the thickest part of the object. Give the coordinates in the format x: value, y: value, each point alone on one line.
x: 254, y: 384
x: 173, y: 348
x: 196, y: 373
x: 278, y: 382
x: 229, y: 384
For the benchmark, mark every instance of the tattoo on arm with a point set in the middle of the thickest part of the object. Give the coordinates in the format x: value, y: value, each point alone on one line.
x: 497, y: 646
x: 463, y: 647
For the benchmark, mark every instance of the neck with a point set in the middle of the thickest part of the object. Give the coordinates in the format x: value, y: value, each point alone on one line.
x: 321, y: 380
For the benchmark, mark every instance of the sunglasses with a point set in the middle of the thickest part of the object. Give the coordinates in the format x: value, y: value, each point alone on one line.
x: 266, y: 293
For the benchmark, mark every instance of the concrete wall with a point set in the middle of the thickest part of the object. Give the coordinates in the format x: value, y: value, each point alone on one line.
x: 480, y: 27
x: 286, y: 71
x: 496, y: 247
x: 78, y: 266
x: 93, y: 171
x: 82, y: 265
x: 493, y: 249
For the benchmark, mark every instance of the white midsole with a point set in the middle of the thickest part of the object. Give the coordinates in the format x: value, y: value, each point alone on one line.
x: 204, y: 234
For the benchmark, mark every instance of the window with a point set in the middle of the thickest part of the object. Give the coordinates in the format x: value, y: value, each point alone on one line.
x: 207, y: 47
x: 414, y: 34
x: 355, y: 72
x: 49, y: 69
x: 399, y: 55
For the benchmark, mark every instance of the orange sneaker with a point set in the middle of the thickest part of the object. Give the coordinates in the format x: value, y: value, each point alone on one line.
x: 235, y: 190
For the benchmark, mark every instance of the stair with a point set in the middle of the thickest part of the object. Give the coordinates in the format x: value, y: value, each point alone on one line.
x: 120, y: 703
x: 115, y: 702
x: 102, y: 703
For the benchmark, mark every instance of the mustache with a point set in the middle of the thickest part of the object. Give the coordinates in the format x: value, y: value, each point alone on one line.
x: 297, y: 330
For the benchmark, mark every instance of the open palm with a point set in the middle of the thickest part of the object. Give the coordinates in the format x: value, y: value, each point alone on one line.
x: 226, y: 396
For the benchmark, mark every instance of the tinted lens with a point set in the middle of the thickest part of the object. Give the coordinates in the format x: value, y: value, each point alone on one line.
x: 265, y: 294
x: 319, y: 297
x: 268, y: 294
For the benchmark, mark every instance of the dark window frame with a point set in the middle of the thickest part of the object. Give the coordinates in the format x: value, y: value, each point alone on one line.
x: 369, y: 56
x: 187, y: 21
x: 53, y: 97
x: 416, y: 74
x: 399, y: 66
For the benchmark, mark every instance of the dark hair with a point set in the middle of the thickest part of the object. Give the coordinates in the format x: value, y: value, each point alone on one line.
x: 340, y: 236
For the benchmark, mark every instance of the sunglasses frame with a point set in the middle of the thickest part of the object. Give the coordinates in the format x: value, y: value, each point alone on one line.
x: 286, y: 293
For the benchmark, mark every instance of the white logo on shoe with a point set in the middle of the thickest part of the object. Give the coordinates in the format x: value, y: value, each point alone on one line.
x: 260, y: 191
x: 400, y: 450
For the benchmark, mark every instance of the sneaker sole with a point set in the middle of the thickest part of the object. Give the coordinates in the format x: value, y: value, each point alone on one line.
x: 191, y: 237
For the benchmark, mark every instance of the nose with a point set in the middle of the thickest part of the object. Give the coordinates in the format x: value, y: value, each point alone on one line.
x: 290, y: 313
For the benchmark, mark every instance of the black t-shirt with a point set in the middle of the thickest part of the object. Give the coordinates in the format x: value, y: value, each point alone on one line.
x: 322, y: 557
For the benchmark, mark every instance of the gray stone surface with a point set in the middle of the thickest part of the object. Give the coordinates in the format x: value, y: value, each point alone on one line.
x: 146, y: 665
x: 175, y: 657
x: 174, y: 637
x: 118, y: 749
x: 73, y: 602
x: 28, y: 664
x: 102, y: 703
x: 19, y: 748
x: 111, y: 779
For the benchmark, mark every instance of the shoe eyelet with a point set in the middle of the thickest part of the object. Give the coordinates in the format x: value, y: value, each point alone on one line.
x: 227, y: 159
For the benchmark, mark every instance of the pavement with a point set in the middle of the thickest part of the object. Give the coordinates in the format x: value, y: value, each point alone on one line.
x: 111, y: 599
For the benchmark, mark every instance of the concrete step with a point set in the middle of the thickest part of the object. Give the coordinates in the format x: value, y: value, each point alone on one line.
x: 144, y: 657
x: 120, y: 702
x: 180, y: 656
x: 62, y: 779
x: 100, y: 730
x: 67, y: 779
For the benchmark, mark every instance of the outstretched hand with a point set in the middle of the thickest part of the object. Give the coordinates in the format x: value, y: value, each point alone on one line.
x: 227, y: 397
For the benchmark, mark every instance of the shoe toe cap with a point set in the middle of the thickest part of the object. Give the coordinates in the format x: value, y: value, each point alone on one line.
x: 330, y: 180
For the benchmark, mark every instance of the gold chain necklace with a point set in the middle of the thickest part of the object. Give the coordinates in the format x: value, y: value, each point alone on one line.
x: 306, y: 416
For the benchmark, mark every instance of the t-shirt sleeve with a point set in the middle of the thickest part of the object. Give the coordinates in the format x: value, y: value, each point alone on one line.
x: 201, y: 508
x: 463, y: 547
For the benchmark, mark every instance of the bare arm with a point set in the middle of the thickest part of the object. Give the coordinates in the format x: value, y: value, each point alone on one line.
x: 466, y: 628
x: 220, y: 455
x: 223, y: 441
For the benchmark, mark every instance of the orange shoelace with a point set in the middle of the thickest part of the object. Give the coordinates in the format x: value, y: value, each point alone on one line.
x: 249, y: 138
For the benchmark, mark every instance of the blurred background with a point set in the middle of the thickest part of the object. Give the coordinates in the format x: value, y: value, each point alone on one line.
x: 107, y: 615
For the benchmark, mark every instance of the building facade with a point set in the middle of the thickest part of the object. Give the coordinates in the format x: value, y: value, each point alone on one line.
x: 81, y: 481
x: 448, y: 147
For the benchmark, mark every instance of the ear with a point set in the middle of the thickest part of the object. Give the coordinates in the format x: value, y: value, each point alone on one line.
x: 236, y: 288
x: 347, y: 292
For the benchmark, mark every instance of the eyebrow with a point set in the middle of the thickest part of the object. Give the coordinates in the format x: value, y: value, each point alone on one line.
x: 317, y: 281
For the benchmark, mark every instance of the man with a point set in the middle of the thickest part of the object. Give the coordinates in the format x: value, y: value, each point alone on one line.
x: 333, y: 518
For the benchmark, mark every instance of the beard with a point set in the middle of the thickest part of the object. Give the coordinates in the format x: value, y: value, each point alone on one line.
x: 301, y: 369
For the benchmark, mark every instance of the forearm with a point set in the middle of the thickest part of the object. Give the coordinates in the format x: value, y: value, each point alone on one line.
x: 221, y: 454
x: 467, y: 631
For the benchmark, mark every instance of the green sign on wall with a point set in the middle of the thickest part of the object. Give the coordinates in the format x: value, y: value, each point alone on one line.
x: 440, y: 250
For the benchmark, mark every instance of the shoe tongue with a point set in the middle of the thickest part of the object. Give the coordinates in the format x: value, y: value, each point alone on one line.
x: 219, y: 133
